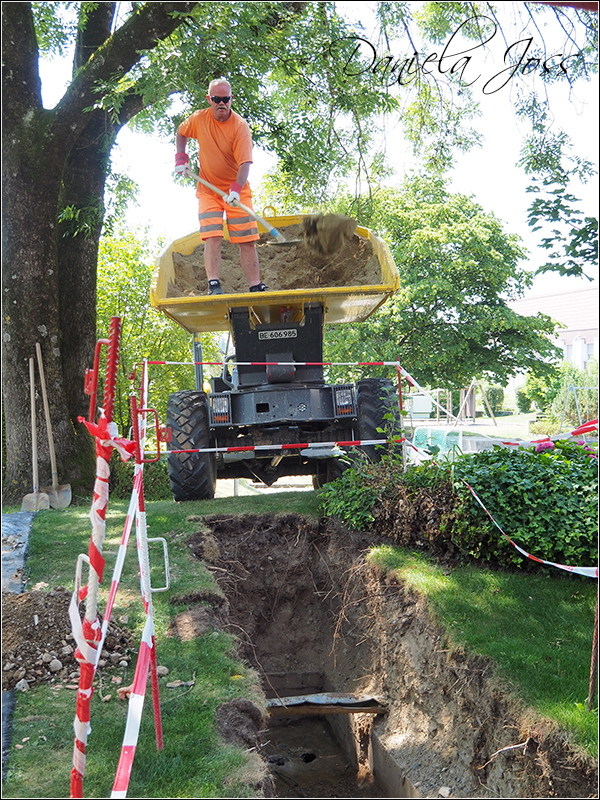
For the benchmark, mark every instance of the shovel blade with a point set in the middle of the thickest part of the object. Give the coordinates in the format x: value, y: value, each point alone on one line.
x: 58, y: 496
x: 36, y: 501
x: 287, y: 243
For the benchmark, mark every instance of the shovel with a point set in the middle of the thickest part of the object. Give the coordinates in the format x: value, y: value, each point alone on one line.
x: 280, y: 240
x: 36, y: 501
x: 59, y: 496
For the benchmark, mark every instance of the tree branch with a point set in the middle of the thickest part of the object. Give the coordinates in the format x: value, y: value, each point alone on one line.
x: 93, y: 33
x: 21, y: 82
x: 115, y: 57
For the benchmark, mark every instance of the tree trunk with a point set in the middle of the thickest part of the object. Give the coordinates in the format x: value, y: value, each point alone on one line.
x: 83, y: 190
x: 41, y: 149
x: 30, y: 316
x: 83, y: 187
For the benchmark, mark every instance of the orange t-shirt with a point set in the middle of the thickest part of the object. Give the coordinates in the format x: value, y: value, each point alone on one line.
x: 223, y: 147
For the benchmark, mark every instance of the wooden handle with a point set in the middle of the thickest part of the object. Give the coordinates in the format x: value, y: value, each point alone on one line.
x: 33, y: 428
x: 269, y: 228
x: 38, y: 350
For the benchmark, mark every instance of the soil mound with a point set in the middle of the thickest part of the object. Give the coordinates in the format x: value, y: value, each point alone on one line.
x: 37, y: 644
x: 239, y: 722
x: 296, y: 267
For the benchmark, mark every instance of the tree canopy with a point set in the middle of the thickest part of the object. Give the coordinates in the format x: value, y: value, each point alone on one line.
x: 450, y: 320
x: 309, y: 95
x: 548, y: 158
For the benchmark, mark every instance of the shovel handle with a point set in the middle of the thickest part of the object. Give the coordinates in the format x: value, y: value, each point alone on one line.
x: 38, y: 351
x: 269, y: 228
x: 33, y: 427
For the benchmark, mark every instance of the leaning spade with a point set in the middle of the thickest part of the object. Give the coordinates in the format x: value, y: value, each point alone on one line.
x: 59, y: 496
x: 36, y: 500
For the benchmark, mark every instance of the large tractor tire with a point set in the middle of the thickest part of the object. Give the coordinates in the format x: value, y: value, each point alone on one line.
x: 376, y: 398
x: 330, y: 470
x: 193, y: 476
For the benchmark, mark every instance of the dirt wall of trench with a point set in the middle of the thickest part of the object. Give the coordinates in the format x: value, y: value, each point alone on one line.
x: 301, y: 598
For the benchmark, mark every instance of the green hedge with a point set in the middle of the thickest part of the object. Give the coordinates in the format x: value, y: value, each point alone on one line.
x: 495, y: 396
x: 544, y: 499
x: 523, y: 401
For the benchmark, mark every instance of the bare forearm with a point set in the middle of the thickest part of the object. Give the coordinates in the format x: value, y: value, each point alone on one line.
x: 243, y: 172
x: 180, y: 143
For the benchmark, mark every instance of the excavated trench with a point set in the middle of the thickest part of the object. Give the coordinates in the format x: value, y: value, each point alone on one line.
x: 312, y: 617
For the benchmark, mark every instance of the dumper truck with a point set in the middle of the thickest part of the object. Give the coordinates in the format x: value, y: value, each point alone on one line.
x: 270, y: 413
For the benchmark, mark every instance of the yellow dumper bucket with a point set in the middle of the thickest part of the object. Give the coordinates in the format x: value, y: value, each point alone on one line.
x: 199, y: 313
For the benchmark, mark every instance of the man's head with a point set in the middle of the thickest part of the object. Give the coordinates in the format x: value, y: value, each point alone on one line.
x: 219, y: 90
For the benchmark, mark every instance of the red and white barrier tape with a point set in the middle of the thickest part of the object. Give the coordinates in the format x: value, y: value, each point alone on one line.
x: 88, y: 634
x: 589, y: 572
x: 147, y: 654
x: 276, y: 363
x: 539, y: 444
x: 351, y: 443
x: 306, y: 445
x: 134, y: 711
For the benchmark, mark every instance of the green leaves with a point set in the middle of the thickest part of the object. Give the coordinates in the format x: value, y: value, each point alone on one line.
x: 83, y: 221
x: 570, y: 237
x: 55, y: 27
x: 450, y: 321
x: 545, y: 501
x: 350, y: 498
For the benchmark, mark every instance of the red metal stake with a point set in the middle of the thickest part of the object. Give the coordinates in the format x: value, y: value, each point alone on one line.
x: 86, y: 652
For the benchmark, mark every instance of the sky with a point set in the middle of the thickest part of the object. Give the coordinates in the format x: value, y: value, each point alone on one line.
x: 487, y: 173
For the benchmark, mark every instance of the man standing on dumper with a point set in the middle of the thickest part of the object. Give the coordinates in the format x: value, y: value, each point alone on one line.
x: 225, y: 146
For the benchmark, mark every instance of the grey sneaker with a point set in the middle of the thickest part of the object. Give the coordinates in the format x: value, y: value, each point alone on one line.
x: 214, y: 287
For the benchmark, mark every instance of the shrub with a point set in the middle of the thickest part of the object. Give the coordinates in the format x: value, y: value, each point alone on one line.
x: 156, y: 480
x: 546, y: 426
x: 544, y: 498
x: 542, y: 389
x: 523, y: 401
x: 351, y: 497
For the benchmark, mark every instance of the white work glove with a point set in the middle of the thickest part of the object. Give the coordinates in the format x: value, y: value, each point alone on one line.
x: 234, y: 194
x: 182, y: 165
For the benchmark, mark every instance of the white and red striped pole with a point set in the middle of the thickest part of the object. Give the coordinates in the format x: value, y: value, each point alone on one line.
x: 139, y: 430
x: 147, y: 655
x: 134, y: 712
x: 90, y: 634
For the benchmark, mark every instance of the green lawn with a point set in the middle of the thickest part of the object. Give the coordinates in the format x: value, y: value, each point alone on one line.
x: 194, y: 762
x: 537, y: 628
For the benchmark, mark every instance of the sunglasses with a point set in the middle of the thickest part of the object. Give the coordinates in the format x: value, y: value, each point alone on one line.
x: 216, y: 99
